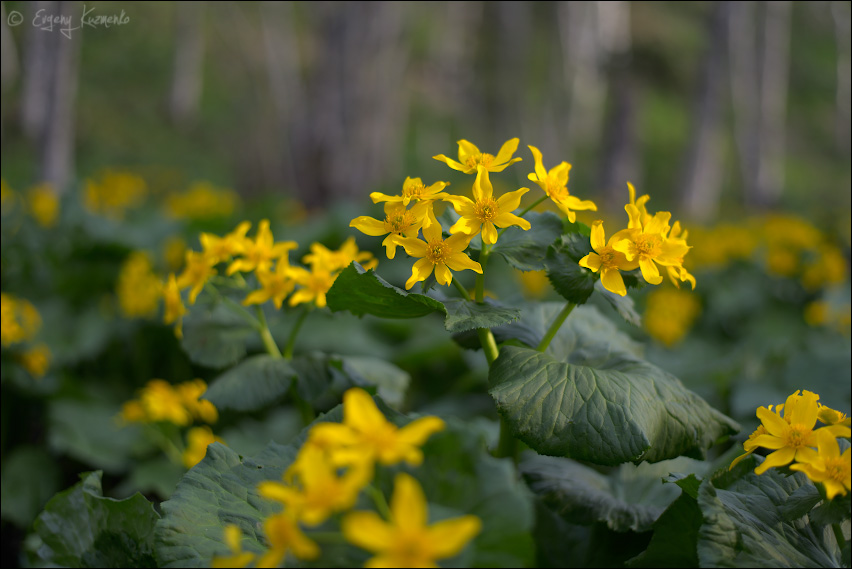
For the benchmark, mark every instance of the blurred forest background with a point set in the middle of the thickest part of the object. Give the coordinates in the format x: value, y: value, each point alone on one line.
x: 714, y: 108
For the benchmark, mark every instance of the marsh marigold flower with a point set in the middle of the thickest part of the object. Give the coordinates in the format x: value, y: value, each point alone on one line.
x: 555, y: 184
x: 470, y: 158
x: 20, y: 320
x: 285, y: 536
x: 321, y: 257
x: 483, y: 213
x: 607, y: 260
x: 276, y: 285
x: 438, y: 254
x: 174, y: 308
x: 220, y: 249
x: 36, y: 360
x: 198, y: 439
x: 398, y: 222
x: 792, y: 435
x: 646, y: 243
x: 196, y: 272
x: 827, y: 466
x: 43, y: 204
x: 370, y: 436
x: 670, y: 313
x: 406, y: 540
x: 258, y: 253
x: 413, y: 190
x: 138, y: 289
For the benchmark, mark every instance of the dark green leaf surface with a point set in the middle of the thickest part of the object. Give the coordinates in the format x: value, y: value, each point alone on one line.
x: 30, y: 478
x: 624, y: 305
x: 81, y: 528
x: 629, y: 498
x: 466, y: 315
x: 614, y: 409
x: 745, y: 524
x: 253, y: 384
x: 525, y: 250
x: 364, y: 292
x: 575, y: 283
x: 214, y: 336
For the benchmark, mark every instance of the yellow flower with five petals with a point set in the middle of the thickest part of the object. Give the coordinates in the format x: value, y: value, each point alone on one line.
x: 258, y: 253
x: 827, y: 465
x: 555, y: 184
x: 470, y: 158
x: 608, y: 260
x: 442, y: 255
x: 399, y: 222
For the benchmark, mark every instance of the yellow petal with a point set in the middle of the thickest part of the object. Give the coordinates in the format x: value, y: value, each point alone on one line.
x: 591, y: 261
x: 369, y: 226
x: 613, y: 282
x: 443, y: 274
x: 451, y: 163
x: 505, y: 154
x: 360, y: 411
x: 418, y: 431
x: 419, y: 272
x: 461, y: 262
x: 540, y: 172
x: 597, y: 235
x: 467, y: 148
x: 408, y: 504
x: 489, y: 233
x: 780, y: 457
x: 449, y: 537
x: 509, y: 219
x: 649, y: 271
x: 510, y: 201
x: 368, y: 531
x: 774, y: 424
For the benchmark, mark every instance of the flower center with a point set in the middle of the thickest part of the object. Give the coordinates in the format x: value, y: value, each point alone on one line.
x: 798, y: 436
x: 399, y: 222
x: 486, y: 210
x: 437, y: 252
x: 555, y: 190
x: 475, y: 159
x: 648, y: 245
x: 413, y: 190
x: 609, y: 258
x: 836, y: 469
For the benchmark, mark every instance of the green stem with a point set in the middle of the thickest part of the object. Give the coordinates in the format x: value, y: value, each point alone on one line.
x: 507, y: 444
x: 291, y: 341
x: 266, y: 335
x: 461, y: 289
x: 166, y: 444
x: 379, y: 500
x: 532, y: 205
x: 555, y: 326
x: 838, y: 535
x: 480, y: 278
x: 489, y: 344
x: 306, y: 410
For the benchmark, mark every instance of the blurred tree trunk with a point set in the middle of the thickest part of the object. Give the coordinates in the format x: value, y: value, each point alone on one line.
x: 512, y: 104
x: 8, y: 62
x: 348, y: 137
x: 51, y: 64
x: 619, y: 161
x: 841, y: 13
x: 759, y: 85
x: 188, y: 72
x: 701, y: 186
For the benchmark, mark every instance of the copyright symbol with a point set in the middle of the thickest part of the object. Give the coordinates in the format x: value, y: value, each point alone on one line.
x: 15, y: 18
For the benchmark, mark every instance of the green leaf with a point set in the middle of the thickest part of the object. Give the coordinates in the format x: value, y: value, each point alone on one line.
x: 628, y: 498
x: 745, y: 525
x: 81, y: 528
x: 624, y: 305
x: 525, y: 250
x: 30, y: 479
x: 674, y: 543
x: 254, y: 383
x: 322, y: 378
x: 615, y: 408
x: 364, y: 292
x: 467, y: 315
x: 392, y: 382
x: 214, y: 336
x: 575, y: 283
x: 221, y: 489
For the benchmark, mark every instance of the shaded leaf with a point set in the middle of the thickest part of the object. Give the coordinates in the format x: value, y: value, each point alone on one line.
x: 214, y: 336
x: 614, y: 409
x: 254, y: 383
x: 81, y: 528
x: 573, y: 282
x: 30, y: 479
x: 467, y: 315
x: 624, y: 305
x: 525, y: 250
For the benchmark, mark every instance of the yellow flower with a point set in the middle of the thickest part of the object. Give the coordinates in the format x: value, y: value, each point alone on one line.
x: 398, y: 222
x: 198, y: 439
x: 313, y: 286
x: 829, y: 416
x: 220, y: 249
x: 238, y: 557
x: 321, y: 491
x: 190, y: 393
x: 534, y: 283
x: 484, y: 212
x: 413, y: 190
x: 258, y: 254
x: 114, y: 193
x: 19, y: 320
x: 138, y: 289
x: 792, y: 435
x: 749, y: 445
x: 555, y: 185
x: 43, y: 204
x: 607, y: 260
x: 677, y: 273
x: 816, y: 313
x: 470, y: 158
x: 174, y: 252
x: 284, y: 535
x: 276, y: 285
x: 829, y: 267
x: 646, y: 243
x: 439, y: 254
x: 827, y: 465
x: 365, y: 434
x: 406, y: 540
x: 202, y: 201
x: 321, y: 257
x: 174, y: 307
x: 669, y: 314
x: 198, y: 270
x: 36, y: 360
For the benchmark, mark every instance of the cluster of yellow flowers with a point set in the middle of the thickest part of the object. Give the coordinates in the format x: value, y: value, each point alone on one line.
x: 270, y: 263
x: 19, y: 323
x: 788, y: 246
x: 647, y: 242
x: 670, y: 313
x: 138, y: 288
x: 789, y: 431
x: 334, y: 465
x: 202, y: 201
x: 114, y: 192
x: 181, y: 405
